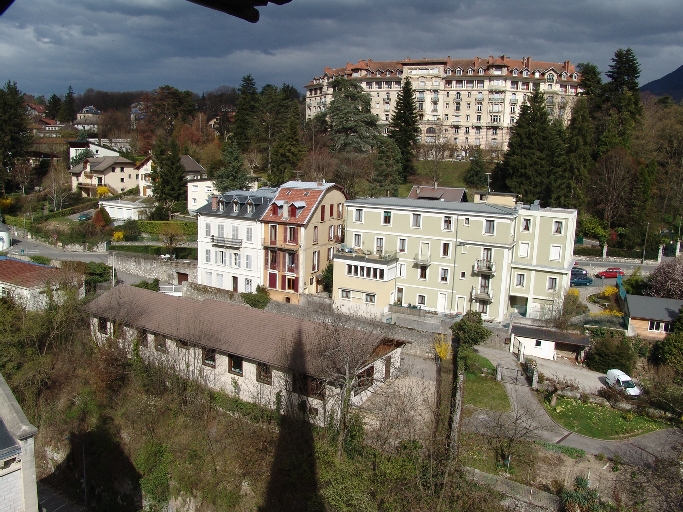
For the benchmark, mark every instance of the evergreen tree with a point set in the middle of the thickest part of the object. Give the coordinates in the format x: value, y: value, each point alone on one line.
x: 386, y: 169
x: 272, y: 115
x: 623, y: 95
x: 404, y: 128
x: 475, y: 177
x: 168, y: 174
x: 15, y: 135
x: 231, y: 175
x: 579, y: 163
x: 67, y: 110
x: 287, y: 152
x: 353, y: 127
x: 526, y: 168
x: 247, y: 105
x: 54, y: 104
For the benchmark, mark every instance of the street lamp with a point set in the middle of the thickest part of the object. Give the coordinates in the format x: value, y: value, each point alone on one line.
x: 85, y: 482
x: 647, y: 229
x: 488, y: 183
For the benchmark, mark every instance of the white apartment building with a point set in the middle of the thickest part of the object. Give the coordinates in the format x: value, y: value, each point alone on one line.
x: 230, y: 240
x: 467, y: 102
x: 198, y: 194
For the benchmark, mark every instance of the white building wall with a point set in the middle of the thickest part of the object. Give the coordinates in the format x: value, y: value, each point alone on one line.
x: 198, y: 194
x: 529, y: 348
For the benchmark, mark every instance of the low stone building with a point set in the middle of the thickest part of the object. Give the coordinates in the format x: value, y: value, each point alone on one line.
x: 277, y: 361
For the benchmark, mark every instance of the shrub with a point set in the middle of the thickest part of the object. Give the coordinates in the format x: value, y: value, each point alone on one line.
x: 118, y: 236
x: 610, y: 349
x: 258, y: 300
x: 101, y: 218
x: 146, y: 285
x: 155, y: 227
x: 131, y: 230
x: 42, y: 260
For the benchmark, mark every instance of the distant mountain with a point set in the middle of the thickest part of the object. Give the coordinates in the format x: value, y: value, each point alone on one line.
x: 671, y: 85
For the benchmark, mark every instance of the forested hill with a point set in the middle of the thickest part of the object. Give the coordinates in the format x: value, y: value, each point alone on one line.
x: 669, y: 85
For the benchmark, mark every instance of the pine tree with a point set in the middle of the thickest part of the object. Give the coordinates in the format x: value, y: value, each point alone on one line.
x: 526, y: 168
x: 404, y: 128
x: 168, y: 174
x: 623, y: 96
x: 272, y: 115
x: 386, y: 169
x: 231, y: 175
x: 54, y: 104
x: 475, y: 177
x: 67, y: 110
x: 579, y: 162
x: 353, y: 127
x: 288, y: 151
x: 247, y: 105
x: 15, y: 135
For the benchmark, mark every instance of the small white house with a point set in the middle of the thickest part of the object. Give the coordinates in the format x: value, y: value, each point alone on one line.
x: 199, y: 193
x: 119, y: 209
x: 18, y: 489
x: 539, y: 342
x: 260, y: 357
x: 27, y: 282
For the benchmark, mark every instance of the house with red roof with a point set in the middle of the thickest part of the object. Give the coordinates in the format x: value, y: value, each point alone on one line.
x: 301, y: 228
x: 28, y: 282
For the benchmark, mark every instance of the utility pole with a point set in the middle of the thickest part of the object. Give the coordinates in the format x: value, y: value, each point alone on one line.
x: 647, y: 229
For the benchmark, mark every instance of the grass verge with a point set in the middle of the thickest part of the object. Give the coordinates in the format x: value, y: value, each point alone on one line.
x: 485, y: 393
x: 574, y: 453
x: 600, y: 422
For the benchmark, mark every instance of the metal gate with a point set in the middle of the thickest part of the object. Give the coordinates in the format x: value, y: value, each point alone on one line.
x: 511, y: 375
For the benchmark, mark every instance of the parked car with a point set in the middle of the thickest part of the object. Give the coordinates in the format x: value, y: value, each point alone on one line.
x: 85, y: 216
x: 578, y: 271
x: 619, y: 380
x: 610, y: 273
x: 579, y: 280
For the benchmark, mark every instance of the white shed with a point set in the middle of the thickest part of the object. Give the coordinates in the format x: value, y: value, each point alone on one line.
x: 5, y: 237
x: 539, y: 342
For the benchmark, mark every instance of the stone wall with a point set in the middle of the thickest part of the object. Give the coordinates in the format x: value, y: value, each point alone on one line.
x: 151, y: 267
x: 101, y: 247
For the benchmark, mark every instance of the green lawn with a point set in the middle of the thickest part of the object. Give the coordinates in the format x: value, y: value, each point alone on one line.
x: 485, y: 393
x: 451, y: 174
x: 600, y: 422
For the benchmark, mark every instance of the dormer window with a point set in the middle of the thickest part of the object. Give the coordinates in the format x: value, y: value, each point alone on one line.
x: 470, y: 71
x: 481, y: 71
x: 458, y: 71
x: 574, y: 76
x: 525, y: 73
x: 274, y: 209
x: 514, y: 72
x: 235, y: 206
x: 250, y: 207
x: 550, y: 77
x: 221, y: 206
x: 292, y: 211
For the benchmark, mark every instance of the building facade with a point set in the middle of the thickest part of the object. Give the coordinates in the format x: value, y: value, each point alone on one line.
x: 467, y: 102
x: 301, y: 229
x: 451, y: 257
x: 116, y: 173
x: 230, y: 240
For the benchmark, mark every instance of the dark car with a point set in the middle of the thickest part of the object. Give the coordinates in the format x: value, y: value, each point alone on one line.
x: 580, y: 281
x: 578, y: 271
x: 85, y: 216
x: 610, y: 273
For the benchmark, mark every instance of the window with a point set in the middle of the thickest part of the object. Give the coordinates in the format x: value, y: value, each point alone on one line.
x: 552, y: 283
x: 401, y: 270
x: 357, y: 240
x: 306, y: 385
x: 483, y: 308
x: 207, y: 278
x: 422, y: 272
x: 466, y: 222
x: 358, y: 217
x: 249, y: 234
x: 330, y: 253
x: 463, y: 275
x: 207, y: 256
x: 555, y: 252
x: 291, y: 235
x: 102, y: 325
x: 659, y: 326
x: 250, y: 209
x: 402, y: 245
x: 346, y: 294
x: 264, y: 374
x: 236, y: 259
x: 421, y: 300
x: 524, y: 249
x: 209, y: 357
x: 207, y: 229
x: 557, y: 227
x: 248, y: 262
x: 416, y: 220
x: 489, y: 227
x: 235, y: 364
x: 526, y: 225
x: 538, y: 343
x: 322, y: 213
x: 448, y: 223
x: 365, y: 379
x: 247, y: 286
x: 340, y: 210
x: 315, y: 234
x: 519, y: 280
x: 443, y: 275
x: 316, y: 261
x: 330, y: 233
x: 159, y: 343
x: 370, y: 298
x: 445, y: 249
x: 291, y: 283
x: 235, y: 206
x: 386, y: 218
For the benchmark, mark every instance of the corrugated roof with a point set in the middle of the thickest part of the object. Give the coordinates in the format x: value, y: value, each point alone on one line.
x: 438, y: 193
x: 539, y: 333
x: 427, y: 204
x: 653, y: 308
x: 228, y: 328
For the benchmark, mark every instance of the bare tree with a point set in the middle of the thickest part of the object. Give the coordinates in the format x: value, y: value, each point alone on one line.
x: 613, y: 173
x: 435, y: 149
x: 57, y: 183
x: 22, y: 172
x: 171, y: 235
x: 319, y: 164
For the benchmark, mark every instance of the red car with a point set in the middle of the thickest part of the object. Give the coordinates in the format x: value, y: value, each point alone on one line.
x: 610, y: 273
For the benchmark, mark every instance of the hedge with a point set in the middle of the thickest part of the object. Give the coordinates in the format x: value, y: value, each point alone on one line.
x: 614, y: 252
x: 153, y: 227
x: 181, y: 253
x: 71, y: 210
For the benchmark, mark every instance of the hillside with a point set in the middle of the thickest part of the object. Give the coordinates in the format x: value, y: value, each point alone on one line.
x: 671, y: 85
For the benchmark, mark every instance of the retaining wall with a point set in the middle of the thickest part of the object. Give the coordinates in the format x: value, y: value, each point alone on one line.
x: 151, y: 267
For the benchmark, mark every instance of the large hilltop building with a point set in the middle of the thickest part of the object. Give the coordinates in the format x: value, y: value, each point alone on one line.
x: 468, y: 102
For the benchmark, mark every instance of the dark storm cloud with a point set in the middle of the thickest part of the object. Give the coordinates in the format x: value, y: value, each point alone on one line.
x: 47, y: 45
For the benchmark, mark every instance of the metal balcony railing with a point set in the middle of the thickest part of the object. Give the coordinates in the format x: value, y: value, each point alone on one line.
x: 226, y: 242
x: 482, y: 294
x: 422, y: 259
x: 484, y: 267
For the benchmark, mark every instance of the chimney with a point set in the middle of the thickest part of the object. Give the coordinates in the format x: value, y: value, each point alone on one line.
x: 436, y: 184
x: 214, y: 202
x: 285, y: 210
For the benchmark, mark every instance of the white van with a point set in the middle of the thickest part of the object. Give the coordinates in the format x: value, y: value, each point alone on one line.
x: 619, y: 380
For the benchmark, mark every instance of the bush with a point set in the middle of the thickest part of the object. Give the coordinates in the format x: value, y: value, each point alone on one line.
x: 146, y: 285
x: 259, y: 300
x: 101, y: 218
x: 153, y: 227
x: 131, y: 230
x: 587, y: 251
x: 610, y: 349
x: 42, y: 260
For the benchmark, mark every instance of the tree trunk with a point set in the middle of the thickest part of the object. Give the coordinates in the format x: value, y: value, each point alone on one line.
x: 454, y: 417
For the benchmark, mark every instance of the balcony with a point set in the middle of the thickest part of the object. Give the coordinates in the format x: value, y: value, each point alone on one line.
x: 347, y: 253
x: 422, y: 259
x: 484, y: 294
x: 484, y: 267
x: 513, y: 101
x: 220, y: 241
x: 291, y: 269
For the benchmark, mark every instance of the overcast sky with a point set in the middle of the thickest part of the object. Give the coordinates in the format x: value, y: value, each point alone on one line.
x: 123, y: 45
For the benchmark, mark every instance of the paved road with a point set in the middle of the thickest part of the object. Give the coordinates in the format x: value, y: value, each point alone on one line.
x: 636, y: 450
x: 51, y: 501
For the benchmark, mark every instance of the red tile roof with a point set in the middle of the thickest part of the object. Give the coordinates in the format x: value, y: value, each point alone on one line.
x: 306, y: 195
x: 28, y: 275
x: 231, y: 328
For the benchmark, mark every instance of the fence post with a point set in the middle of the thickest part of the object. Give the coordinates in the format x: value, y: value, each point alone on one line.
x: 499, y: 372
x: 604, y: 251
x: 534, y: 379
x: 659, y: 254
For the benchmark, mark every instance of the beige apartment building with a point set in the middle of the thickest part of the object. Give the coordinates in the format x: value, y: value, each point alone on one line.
x: 451, y: 257
x: 467, y: 102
